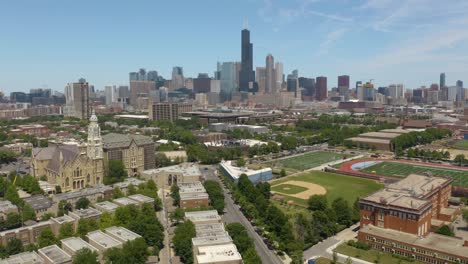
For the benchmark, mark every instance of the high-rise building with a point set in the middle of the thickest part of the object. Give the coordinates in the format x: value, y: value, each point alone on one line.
x: 152, y: 76
x: 111, y: 94
x: 246, y: 75
x: 396, y: 91
x: 227, y: 76
x: 343, y: 86
x: 168, y: 111
x: 279, y: 77
x: 77, y: 100
x: 261, y: 79
x: 270, y: 78
x: 442, y: 80
x: 368, y: 92
x: 382, y: 90
x: 140, y: 92
x: 178, y: 77
x: 202, y: 84
x: 292, y: 82
x: 321, y: 88
x: 434, y: 87
x: 460, y: 83
x: 308, y: 84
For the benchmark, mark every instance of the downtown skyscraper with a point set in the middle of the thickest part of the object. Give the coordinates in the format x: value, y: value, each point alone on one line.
x: 270, y: 77
x: 247, y: 74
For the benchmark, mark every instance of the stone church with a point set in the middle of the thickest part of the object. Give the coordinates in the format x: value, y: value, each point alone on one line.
x: 72, y: 166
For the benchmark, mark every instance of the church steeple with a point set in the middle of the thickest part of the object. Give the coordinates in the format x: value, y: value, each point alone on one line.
x: 94, y: 138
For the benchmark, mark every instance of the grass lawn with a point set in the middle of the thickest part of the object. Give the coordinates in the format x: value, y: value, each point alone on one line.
x: 336, y: 185
x: 371, y: 255
x: 288, y: 188
x: 309, y: 160
x: 460, y: 177
x: 462, y: 144
x: 322, y: 261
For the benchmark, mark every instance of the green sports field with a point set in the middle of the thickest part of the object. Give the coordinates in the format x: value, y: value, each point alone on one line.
x: 288, y: 188
x: 336, y: 185
x: 394, y: 169
x: 462, y: 144
x: 309, y: 160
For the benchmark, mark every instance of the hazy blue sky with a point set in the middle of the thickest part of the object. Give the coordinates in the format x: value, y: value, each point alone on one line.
x: 45, y: 43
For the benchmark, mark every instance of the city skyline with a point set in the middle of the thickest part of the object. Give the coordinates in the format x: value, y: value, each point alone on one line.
x: 40, y: 47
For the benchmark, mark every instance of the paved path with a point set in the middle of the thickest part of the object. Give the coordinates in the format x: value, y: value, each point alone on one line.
x: 234, y: 215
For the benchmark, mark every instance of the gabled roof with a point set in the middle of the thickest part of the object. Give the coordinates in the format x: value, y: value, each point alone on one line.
x: 66, y: 153
x: 114, y: 140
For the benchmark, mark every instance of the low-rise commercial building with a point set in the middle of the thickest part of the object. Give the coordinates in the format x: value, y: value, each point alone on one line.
x: 124, y: 201
x: 202, y: 229
x: 54, y: 255
x: 102, y: 241
x: 379, y: 140
x: 72, y: 245
x: 6, y: 207
x: 203, y: 217
x: 226, y: 254
x: 23, y: 258
x: 234, y: 172
x: 121, y: 234
x: 167, y: 176
x: 88, y: 213
x: 192, y: 195
x: 106, y: 206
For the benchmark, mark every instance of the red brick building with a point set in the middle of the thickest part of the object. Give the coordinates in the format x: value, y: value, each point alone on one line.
x: 33, y: 129
x: 399, y: 220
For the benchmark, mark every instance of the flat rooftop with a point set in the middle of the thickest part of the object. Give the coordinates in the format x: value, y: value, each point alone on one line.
x: 211, y: 240
x: 127, y: 182
x: 395, y: 130
x: 381, y: 135
x: 236, y: 172
x: 187, y: 169
x: 23, y: 258
x: 212, y: 233
x: 141, y: 198
x: 103, y: 239
x: 193, y: 196
x: 370, y: 140
x: 432, y: 241
x: 7, y: 205
x: 38, y: 202
x: 218, y: 254
x: 208, y: 228
x: 76, y: 243
x: 201, y: 216
x: 121, y: 233
x: 62, y: 219
x: 82, y: 193
x: 191, y: 187
x: 85, y: 213
x: 55, y: 255
x: 125, y: 201
x: 106, y: 205
x: 408, y: 193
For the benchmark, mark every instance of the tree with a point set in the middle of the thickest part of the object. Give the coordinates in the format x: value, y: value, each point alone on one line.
x: 342, y: 211
x: 28, y: 212
x: 251, y: 257
x: 85, y: 255
x: 135, y: 251
x: 334, y: 258
x: 240, y: 162
x: 46, y: 238
x: 43, y: 143
x: 85, y: 226
x: 82, y: 203
x: 161, y: 160
x: 283, y: 172
x: 445, y: 230
x: 465, y: 215
x: 117, y: 193
x: 216, y: 195
x: 63, y: 207
x: 177, y: 215
x: 182, y: 240
x: 460, y: 159
x: 58, y: 189
x: 317, y: 202
x: 175, y: 195
x: 14, y: 246
x: 66, y: 230
x: 12, y: 195
x: 116, y: 172
x: 7, y: 156
x: 106, y: 220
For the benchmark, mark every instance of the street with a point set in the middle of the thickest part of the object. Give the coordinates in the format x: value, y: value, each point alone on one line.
x: 234, y: 215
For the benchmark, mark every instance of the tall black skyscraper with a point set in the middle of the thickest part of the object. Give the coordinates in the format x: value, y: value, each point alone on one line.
x: 247, y: 73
